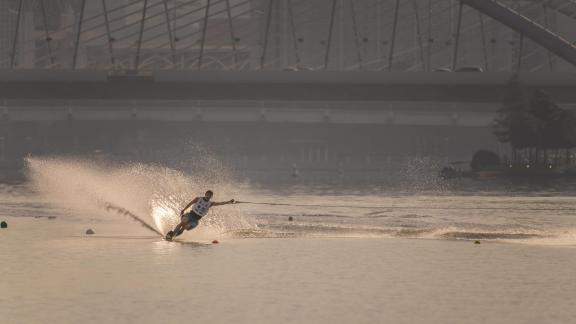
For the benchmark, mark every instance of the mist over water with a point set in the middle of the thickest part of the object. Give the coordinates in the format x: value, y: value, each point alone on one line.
x: 155, y: 194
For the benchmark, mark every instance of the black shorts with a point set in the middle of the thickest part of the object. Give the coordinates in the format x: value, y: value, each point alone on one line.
x: 191, y: 220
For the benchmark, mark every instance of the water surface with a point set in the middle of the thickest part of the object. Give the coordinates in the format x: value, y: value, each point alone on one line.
x: 339, y: 264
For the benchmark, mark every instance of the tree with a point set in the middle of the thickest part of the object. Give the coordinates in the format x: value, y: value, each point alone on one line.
x: 547, y: 112
x: 515, y: 124
x: 566, y: 132
x: 538, y: 124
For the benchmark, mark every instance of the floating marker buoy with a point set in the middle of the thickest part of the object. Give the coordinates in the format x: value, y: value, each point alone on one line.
x: 90, y: 231
x: 476, y: 242
x: 3, y: 225
x: 215, y: 242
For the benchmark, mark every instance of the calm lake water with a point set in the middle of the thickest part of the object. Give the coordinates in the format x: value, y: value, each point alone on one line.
x: 361, y: 255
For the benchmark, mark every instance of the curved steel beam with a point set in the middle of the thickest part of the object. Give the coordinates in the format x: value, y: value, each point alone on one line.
x: 527, y: 27
x: 540, y: 35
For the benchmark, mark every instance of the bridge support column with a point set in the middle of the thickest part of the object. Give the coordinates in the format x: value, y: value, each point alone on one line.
x: 140, y: 35
x: 78, y: 32
x: 170, y: 33
x: 393, y: 37
x: 330, y: 32
x: 293, y: 32
x: 204, y: 30
x: 484, y: 46
x: 16, y: 34
x: 266, y: 35
x: 109, y: 38
x: 419, y: 35
x: 47, y: 38
x: 457, y: 37
x: 356, y: 35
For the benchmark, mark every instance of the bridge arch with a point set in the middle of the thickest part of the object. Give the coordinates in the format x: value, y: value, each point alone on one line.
x: 540, y: 35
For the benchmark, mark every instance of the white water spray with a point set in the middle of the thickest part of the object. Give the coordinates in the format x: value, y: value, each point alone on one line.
x: 153, y: 193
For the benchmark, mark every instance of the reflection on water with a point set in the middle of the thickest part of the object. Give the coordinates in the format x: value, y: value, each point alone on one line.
x: 160, y: 246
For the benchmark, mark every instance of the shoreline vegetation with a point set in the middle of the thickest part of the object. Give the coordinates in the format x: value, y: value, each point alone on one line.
x: 541, y: 136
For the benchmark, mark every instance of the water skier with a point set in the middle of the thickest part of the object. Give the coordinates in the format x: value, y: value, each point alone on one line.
x: 200, y: 207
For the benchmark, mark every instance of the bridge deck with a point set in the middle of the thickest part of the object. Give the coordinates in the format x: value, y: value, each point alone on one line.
x: 275, y: 85
x: 263, y: 114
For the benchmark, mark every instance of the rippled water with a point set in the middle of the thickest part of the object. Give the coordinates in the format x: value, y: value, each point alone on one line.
x: 527, y: 218
x: 374, y: 255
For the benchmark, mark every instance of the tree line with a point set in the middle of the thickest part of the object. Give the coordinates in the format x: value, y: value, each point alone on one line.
x: 534, y: 125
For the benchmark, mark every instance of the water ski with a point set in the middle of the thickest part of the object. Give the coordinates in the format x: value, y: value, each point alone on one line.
x: 169, y: 236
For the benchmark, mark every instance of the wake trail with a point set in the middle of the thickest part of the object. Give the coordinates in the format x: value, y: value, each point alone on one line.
x: 122, y: 211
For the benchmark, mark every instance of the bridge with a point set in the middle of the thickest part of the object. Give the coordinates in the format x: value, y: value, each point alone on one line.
x: 329, y: 86
x: 316, y: 59
x: 269, y: 57
x: 329, y: 50
x: 378, y: 75
x: 245, y: 112
x: 390, y: 35
x: 526, y: 27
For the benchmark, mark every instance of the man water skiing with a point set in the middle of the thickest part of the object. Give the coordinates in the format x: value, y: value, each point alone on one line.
x: 200, y: 207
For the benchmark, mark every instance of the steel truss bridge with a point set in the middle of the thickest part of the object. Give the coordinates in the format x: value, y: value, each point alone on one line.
x: 287, y: 50
x: 135, y: 36
x: 76, y: 62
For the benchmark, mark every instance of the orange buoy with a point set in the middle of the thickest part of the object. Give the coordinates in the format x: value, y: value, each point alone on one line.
x: 215, y: 242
